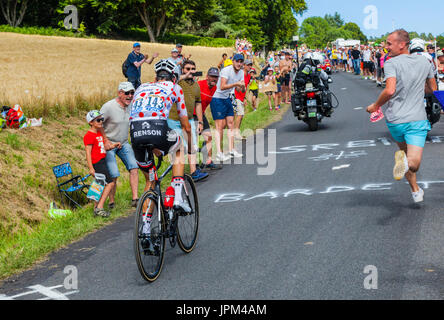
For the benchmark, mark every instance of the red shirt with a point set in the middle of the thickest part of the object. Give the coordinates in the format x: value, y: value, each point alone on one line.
x: 98, y: 151
x: 241, y: 95
x: 206, y: 94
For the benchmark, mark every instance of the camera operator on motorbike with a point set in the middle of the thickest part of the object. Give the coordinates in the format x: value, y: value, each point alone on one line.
x: 433, y: 108
x: 309, y: 70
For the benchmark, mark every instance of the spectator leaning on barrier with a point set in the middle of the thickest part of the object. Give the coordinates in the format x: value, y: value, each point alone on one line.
x: 116, y: 114
x: 135, y: 60
x: 191, y: 93
x: 207, y: 89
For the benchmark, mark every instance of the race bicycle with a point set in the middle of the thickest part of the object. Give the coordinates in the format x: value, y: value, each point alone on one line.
x: 167, y: 222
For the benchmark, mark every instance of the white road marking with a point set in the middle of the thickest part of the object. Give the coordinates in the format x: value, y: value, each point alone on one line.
x: 344, y: 166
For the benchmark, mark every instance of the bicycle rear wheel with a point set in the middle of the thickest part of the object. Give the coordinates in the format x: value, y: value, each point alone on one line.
x: 149, y: 257
x: 188, y: 223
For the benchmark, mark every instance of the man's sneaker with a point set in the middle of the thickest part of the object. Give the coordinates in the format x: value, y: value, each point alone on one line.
x: 401, y: 165
x: 235, y: 154
x: 211, y: 166
x: 181, y: 205
x: 199, y: 175
x: 418, y: 196
x: 221, y: 157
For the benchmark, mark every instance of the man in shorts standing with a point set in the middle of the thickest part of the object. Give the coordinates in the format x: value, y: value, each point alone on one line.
x: 231, y: 77
x: 407, y: 77
x: 116, y: 114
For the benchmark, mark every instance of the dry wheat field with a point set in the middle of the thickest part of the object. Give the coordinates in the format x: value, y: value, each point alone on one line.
x: 41, y: 71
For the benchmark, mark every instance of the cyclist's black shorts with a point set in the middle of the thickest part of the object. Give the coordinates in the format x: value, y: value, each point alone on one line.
x: 152, y: 132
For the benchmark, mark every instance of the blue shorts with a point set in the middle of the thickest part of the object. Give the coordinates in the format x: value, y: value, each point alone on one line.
x: 279, y: 88
x: 412, y: 133
x: 126, y: 154
x: 176, y: 126
x: 221, y: 108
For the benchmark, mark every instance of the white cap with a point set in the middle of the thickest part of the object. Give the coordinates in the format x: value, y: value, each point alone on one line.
x: 93, y: 115
x: 126, y: 86
x: 174, y: 50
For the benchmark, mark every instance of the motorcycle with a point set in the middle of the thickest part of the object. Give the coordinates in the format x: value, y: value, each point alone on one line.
x: 311, y: 104
x: 433, y: 109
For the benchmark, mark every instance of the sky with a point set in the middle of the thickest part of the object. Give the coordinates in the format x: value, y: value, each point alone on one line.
x: 420, y: 16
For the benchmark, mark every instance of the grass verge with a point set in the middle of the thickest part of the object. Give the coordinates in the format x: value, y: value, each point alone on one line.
x: 31, y: 240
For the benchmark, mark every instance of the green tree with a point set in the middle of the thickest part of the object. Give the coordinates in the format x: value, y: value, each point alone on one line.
x: 440, y: 41
x: 315, y: 32
x: 335, y: 21
x: 356, y: 32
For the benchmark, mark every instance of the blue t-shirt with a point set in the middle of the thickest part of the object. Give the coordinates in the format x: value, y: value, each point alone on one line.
x: 134, y: 72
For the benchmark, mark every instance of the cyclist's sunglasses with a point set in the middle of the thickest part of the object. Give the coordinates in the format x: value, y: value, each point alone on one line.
x: 129, y: 93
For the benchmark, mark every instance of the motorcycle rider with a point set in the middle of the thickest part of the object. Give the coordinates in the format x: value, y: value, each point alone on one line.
x: 310, y: 70
x: 417, y: 46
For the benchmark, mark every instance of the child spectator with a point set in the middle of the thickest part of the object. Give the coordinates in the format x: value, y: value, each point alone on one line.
x: 95, y: 157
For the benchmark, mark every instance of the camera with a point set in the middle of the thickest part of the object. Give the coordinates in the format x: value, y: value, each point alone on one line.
x: 197, y: 74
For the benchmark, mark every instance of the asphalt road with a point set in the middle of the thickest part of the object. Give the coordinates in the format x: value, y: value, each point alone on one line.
x: 309, y: 231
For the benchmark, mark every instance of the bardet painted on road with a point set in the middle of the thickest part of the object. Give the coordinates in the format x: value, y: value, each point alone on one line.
x: 235, y: 197
x: 348, y: 145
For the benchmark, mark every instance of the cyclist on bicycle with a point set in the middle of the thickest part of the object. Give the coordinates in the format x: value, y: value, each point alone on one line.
x: 148, y: 126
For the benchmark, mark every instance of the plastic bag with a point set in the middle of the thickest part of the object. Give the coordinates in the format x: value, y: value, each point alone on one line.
x: 96, y: 189
x: 54, y: 212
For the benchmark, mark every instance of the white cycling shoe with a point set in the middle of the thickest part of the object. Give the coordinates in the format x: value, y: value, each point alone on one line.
x: 182, y: 205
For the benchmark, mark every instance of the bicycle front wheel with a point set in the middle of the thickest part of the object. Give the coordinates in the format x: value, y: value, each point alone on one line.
x: 188, y: 223
x: 149, y: 247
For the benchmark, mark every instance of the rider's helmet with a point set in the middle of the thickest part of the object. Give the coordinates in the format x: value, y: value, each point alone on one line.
x: 318, y: 58
x: 166, y: 69
x: 417, y: 45
x: 307, y: 56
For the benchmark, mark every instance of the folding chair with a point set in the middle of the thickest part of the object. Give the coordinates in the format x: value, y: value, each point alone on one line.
x: 67, y: 188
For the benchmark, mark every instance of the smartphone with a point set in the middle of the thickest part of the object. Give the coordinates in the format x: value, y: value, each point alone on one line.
x: 197, y: 74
